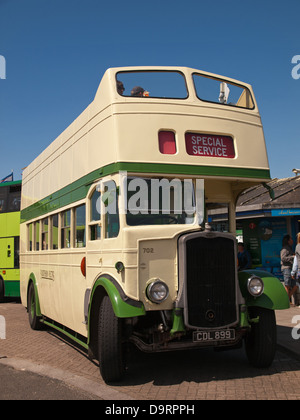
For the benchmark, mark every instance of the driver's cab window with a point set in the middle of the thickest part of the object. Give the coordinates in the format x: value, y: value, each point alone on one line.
x: 218, y: 216
x: 111, y: 209
x: 95, y: 216
x: 104, y: 212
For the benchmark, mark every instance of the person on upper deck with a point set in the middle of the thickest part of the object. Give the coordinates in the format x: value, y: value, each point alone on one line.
x: 120, y: 87
x: 137, y: 91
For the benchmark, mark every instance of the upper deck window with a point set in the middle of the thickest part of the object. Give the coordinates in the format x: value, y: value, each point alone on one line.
x: 10, y: 198
x: 153, y: 84
x: 222, y: 92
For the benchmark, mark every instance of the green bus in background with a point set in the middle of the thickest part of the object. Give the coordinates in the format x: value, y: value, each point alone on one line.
x: 10, y: 198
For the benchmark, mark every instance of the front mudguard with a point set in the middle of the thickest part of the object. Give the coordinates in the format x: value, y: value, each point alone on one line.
x: 274, y: 295
x: 123, y: 306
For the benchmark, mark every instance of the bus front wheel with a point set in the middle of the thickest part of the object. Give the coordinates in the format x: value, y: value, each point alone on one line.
x: 110, y: 347
x: 34, y: 320
x: 262, y: 339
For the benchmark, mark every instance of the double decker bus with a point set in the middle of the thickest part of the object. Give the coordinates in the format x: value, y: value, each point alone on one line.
x: 119, y: 243
x: 10, y: 203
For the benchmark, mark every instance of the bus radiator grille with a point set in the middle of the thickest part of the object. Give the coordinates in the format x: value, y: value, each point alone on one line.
x: 210, y: 282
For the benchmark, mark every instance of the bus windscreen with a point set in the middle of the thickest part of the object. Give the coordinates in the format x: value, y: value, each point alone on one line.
x: 220, y: 91
x: 154, y: 84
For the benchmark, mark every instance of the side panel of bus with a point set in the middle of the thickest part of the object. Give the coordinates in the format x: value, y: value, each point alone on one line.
x: 9, y: 254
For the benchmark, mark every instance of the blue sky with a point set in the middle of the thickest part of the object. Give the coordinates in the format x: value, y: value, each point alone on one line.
x: 56, y: 52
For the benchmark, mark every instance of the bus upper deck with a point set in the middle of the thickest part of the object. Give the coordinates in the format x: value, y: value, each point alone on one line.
x: 182, y: 122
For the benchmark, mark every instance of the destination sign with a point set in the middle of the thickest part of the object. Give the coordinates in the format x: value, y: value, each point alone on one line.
x: 209, y: 145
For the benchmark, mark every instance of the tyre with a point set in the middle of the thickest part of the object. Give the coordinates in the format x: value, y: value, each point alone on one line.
x: 262, y: 339
x: 1, y: 290
x: 110, y: 348
x: 34, y: 320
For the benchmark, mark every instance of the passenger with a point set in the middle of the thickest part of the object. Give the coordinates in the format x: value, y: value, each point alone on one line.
x: 139, y: 91
x: 244, y: 259
x: 287, y: 259
x: 295, y: 274
x: 297, y: 251
x: 120, y: 87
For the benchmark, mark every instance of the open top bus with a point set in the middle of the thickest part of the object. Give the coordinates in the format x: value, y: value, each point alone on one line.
x: 116, y: 245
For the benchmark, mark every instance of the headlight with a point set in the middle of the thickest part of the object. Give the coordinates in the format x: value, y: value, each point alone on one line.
x: 255, y: 286
x: 157, y: 291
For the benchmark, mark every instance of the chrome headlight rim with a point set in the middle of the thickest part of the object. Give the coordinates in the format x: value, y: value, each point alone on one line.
x: 255, y: 286
x: 152, y: 291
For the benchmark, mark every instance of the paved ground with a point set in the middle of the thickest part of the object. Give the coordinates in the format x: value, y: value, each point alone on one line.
x: 186, y: 375
x: 23, y: 384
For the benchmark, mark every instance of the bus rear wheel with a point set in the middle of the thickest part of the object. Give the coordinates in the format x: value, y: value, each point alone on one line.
x: 262, y: 339
x: 110, y: 347
x: 1, y: 290
x: 34, y: 320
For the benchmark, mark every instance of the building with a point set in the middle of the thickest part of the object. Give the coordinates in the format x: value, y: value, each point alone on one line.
x: 265, y: 214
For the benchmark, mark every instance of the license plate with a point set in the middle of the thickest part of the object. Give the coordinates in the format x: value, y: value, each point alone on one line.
x: 213, y: 335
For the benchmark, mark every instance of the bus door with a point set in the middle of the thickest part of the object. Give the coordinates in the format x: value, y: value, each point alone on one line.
x: 103, y: 224
x: 7, y: 253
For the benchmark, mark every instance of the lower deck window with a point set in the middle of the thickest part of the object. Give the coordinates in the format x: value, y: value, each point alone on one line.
x: 66, y: 229
x: 80, y: 226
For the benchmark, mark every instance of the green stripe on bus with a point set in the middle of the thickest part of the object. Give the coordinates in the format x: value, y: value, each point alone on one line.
x: 78, y: 190
x: 170, y: 168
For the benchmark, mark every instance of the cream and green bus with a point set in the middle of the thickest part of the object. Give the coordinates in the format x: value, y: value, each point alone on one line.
x: 128, y: 231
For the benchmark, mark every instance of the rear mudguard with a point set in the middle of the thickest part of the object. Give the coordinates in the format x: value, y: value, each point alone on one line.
x: 274, y: 295
x: 37, y: 302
